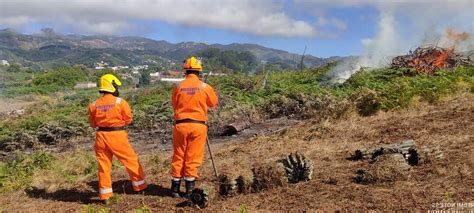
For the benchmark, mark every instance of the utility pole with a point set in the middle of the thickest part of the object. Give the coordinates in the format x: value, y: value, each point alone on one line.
x: 302, y: 58
x: 265, y: 73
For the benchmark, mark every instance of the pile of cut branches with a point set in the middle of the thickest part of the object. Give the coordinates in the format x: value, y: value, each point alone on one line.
x: 427, y: 60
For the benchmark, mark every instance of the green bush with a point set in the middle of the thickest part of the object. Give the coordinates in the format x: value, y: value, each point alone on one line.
x: 82, y: 98
x: 18, y: 173
x: 63, y: 76
x: 287, y: 93
x: 397, y: 89
x: 32, y: 123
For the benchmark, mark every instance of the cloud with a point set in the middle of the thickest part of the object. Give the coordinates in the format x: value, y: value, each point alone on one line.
x: 337, y: 23
x: 14, y: 21
x: 256, y: 17
x: 263, y: 17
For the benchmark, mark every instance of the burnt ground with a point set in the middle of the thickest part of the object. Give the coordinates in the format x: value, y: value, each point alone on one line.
x: 443, y: 133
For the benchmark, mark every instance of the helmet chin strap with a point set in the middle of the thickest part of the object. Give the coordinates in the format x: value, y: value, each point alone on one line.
x: 116, y: 93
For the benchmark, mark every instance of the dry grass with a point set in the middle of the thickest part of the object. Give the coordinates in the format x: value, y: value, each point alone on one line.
x: 443, y: 134
x: 390, y: 168
x: 268, y: 176
x: 70, y: 170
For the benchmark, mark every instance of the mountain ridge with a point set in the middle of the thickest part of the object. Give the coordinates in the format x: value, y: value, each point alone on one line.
x: 49, y: 48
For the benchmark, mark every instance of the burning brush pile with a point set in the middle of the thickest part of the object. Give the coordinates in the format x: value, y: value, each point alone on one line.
x: 427, y: 60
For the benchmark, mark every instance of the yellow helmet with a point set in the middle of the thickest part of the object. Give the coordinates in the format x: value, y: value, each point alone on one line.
x: 106, y: 83
x: 192, y: 63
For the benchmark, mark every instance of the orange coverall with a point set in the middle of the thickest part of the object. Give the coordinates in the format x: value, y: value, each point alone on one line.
x: 111, y: 111
x: 190, y: 100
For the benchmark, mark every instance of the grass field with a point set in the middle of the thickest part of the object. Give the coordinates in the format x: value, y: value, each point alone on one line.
x: 372, y: 108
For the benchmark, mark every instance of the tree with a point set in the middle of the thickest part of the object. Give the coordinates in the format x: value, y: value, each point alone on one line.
x: 144, y: 78
x: 14, y: 68
x: 63, y: 76
x: 99, y: 73
x: 154, y: 68
x: 210, y: 53
x: 214, y: 59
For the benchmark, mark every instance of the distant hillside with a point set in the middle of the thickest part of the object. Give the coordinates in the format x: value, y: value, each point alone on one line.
x: 50, y: 49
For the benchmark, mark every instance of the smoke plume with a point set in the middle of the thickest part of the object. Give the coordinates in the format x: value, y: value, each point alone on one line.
x: 447, y: 25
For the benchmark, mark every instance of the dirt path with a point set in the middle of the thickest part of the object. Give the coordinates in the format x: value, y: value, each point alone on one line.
x: 9, y: 105
x: 443, y: 132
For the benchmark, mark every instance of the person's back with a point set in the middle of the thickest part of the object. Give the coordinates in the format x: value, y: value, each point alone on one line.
x: 109, y: 114
x: 110, y: 111
x: 192, y: 98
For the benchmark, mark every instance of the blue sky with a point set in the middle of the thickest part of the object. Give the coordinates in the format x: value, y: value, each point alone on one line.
x: 361, y: 23
x: 326, y: 27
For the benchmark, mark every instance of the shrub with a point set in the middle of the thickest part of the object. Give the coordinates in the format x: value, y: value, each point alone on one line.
x: 366, y: 101
x: 52, y: 132
x: 32, y: 123
x: 64, y: 77
x: 18, y: 173
x: 397, y: 89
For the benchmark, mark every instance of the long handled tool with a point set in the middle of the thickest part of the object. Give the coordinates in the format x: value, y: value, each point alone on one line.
x: 209, y: 144
x: 212, y: 157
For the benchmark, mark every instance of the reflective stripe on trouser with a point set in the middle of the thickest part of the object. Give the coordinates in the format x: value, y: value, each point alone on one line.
x: 189, y: 140
x: 105, y: 193
x: 116, y: 143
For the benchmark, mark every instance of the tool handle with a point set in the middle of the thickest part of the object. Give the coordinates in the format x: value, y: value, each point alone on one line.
x: 212, y: 157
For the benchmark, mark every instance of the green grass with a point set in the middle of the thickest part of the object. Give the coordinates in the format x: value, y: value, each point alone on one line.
x: 287, y: 93
x: 41, y: 82
x: 18, y: 173
x: 41, y: 169
x: 92, y: 208
x: 143, y: 209
x: 397, y: 91
x: 69, y: 111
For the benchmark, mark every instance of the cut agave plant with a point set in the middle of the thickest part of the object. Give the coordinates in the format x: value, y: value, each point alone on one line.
x: 199, y: 198
x: 298, y: 168
x: 226, y: 185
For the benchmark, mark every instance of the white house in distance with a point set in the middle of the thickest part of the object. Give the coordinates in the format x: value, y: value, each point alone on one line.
x: 155, y: 74
x: 85, y: 85
x: 140, y: 67
x: 119, y: 68
x: 5, y: 63
x: 101, y: 65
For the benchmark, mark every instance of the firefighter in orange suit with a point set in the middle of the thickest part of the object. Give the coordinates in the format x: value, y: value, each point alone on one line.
x: 191, y: 100
x: 109, y: 115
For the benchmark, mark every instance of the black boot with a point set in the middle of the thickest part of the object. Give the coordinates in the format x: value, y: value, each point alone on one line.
x: 175, y: 184
x: 189, y: 188
x: 105, y: 202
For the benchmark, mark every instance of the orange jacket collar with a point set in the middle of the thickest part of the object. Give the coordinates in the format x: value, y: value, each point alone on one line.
x: 189, y: 76
x: 106, y: 94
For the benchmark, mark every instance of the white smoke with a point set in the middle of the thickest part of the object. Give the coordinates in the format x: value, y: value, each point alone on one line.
x: 378, y: 51
x: 385, y: 44
x: 431, y: 22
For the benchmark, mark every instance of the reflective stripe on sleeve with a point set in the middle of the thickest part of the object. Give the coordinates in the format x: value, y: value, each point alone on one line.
x: 105, y: 191
x: 118, y: 100
x: 138, y: 183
